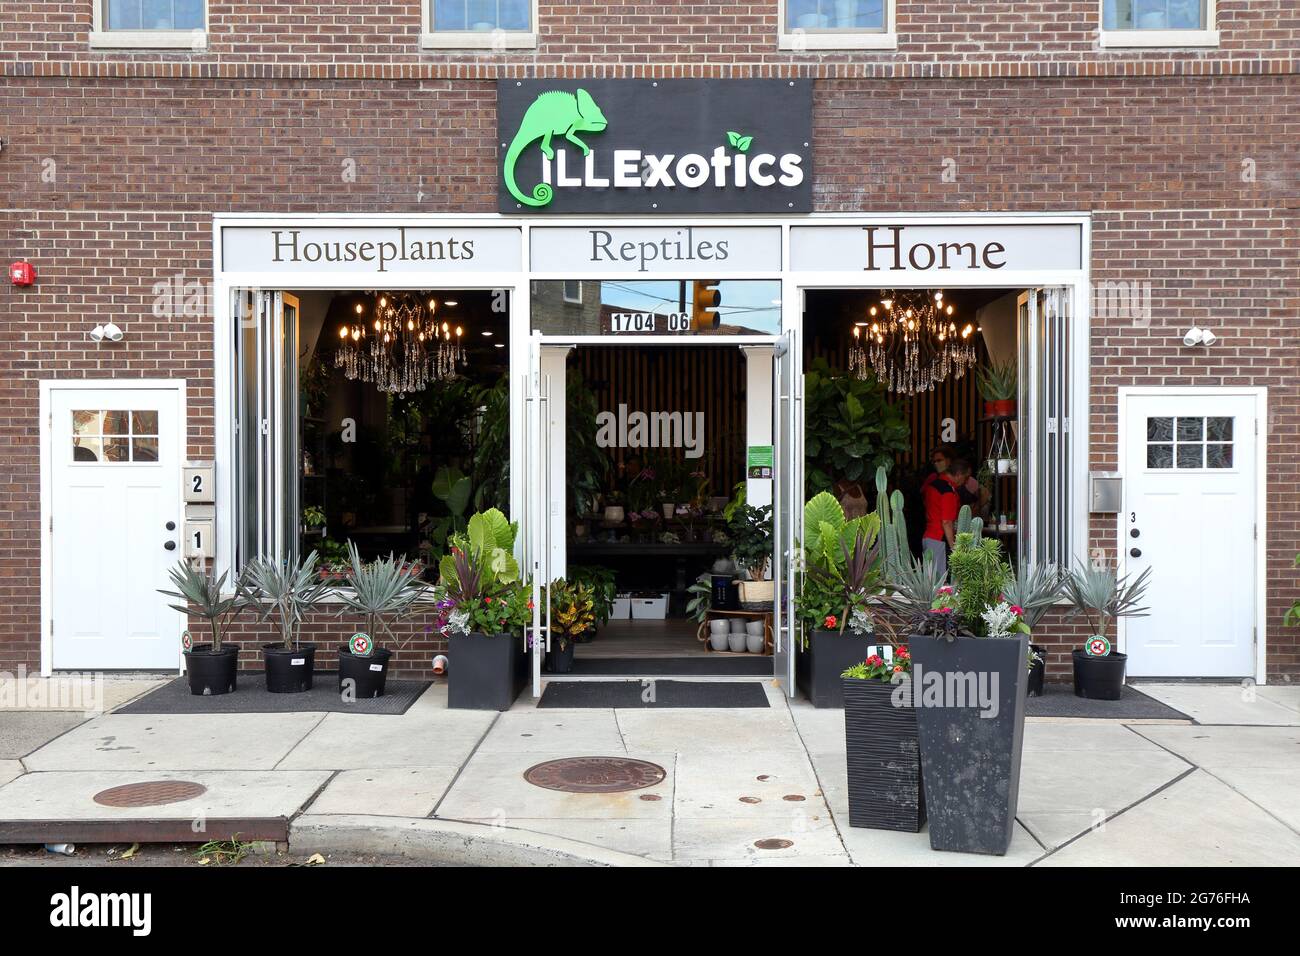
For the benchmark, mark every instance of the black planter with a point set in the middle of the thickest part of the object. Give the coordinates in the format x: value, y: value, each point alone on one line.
x: 819, y: 665
x: 486, y: 672
x: 970, y: 748
x: 211, y: 674
x: 289, y: 670
x: 363, y: 677
x: 1099, y: 678
x: 1037, y: 672
x: 885, y: 791
x: 559, y: 660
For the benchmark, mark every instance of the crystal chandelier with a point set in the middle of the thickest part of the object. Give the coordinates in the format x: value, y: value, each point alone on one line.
x: 911, y: 342
x: 395, y: 342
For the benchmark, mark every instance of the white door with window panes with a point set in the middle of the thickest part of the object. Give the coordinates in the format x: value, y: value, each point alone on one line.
x: 1190, y: 477
x: 115, y: 527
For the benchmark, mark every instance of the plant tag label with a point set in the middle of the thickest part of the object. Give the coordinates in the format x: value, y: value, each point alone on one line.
x: 376, y: 667
x: 884, y: 651
x: 297, y: 661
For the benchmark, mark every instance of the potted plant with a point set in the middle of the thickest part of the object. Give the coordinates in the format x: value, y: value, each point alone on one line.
x: 968, y: 658
x: 1032, y: 590
x: 750, y: 530
x: 286, y: 591
x: 384, y: 590
x: 572, y: 613
x: 1102, y: 598
x: 483, y: 608
x: 211, y: 668
x: 852, y: 427
x: 603, y: 592
x: 998, y: 384
x: 842, y: 573
x: 883, y: 756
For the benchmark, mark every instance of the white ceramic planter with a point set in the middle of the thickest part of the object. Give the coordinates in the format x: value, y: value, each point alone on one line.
x: 736, y: 642
x: 754, y: 643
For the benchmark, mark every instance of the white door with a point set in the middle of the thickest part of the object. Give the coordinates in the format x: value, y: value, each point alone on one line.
x: 1189, y: 515
x: 115, y: 510
x: 787, y: 499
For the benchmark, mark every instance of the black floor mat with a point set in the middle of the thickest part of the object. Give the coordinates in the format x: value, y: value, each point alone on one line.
x: 251, y: 697
x: 662, y: 693
x: 1058, y: 700
x: 720, y: 665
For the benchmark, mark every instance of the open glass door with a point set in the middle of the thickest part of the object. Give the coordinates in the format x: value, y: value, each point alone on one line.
x: 787, y: 497
x: 536, y: 495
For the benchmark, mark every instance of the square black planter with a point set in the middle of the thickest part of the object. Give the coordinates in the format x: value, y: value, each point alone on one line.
x: 485, y: 672
x: 969, y: 695
x: 818, y: 667
x: 885, y: 790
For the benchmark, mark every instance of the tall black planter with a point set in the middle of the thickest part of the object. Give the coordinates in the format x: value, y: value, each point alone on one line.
x: 970, y: 720
x: 363, y: 677
x: 211, y: 673
x: 1099, y: 678
x: 819, y: 665
x: 486, y: 671
x: 559, y: 660
x: 885, y: 791
x: 289, y: 670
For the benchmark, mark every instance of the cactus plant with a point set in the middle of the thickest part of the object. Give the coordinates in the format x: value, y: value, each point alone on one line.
x: 894, y: 546
x: 966, y: 524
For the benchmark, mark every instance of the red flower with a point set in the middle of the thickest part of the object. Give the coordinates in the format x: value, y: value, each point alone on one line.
x: 874, y: 660
x: 1017, y: 610
x: 831, y: 621
x: 945, y: 610
x: 902, y: 652
x: 898, y: 668
x: 487, y: 600
x: 530, y: 605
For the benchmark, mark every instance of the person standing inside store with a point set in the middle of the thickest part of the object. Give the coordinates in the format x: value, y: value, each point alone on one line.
x: 969, y: 490
x: 941, y: 507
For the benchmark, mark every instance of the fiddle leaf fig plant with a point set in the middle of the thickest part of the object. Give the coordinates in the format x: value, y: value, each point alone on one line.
x: 851, y: 430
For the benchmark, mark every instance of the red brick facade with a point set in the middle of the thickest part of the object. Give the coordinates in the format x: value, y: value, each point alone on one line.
x: 113, y: 164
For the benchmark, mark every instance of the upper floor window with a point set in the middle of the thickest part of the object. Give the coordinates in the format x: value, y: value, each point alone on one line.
x: 1167, y: 23
x: 838, y: 25
x: 480, y: 24
x: 150, y: 24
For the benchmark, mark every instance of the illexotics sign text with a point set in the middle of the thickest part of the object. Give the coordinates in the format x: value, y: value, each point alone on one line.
x: 643, y: 146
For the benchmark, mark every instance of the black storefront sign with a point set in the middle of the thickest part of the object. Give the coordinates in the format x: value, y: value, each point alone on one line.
x: 647, y: 147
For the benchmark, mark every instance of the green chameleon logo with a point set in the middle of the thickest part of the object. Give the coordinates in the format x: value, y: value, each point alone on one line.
x: 551, y: 114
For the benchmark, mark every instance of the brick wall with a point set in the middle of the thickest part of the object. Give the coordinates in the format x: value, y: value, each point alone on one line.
x: 110, y: 183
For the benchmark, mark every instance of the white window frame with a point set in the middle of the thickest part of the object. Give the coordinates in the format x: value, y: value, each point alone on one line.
x: 102, y: 38
x: 431, y: 39
x: 564, y: 294
x: 1134, y: 39
x: 800, y: 40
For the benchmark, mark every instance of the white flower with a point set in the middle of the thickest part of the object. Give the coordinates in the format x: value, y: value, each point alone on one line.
x: 458, y: 621
x: 999, y: 619
x: 860, y: 622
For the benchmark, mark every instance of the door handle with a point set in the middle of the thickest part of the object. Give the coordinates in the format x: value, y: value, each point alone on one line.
x: 1135, y: 552
x: 170, y: 526
x: 170, y: 545
x: 1135, y: 533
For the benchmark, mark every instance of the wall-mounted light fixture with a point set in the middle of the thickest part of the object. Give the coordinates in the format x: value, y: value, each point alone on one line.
x: 1196, y: 336
x: 108, y: 332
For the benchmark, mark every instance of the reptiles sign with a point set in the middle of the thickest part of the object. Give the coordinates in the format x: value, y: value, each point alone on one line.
x: 646, y: 147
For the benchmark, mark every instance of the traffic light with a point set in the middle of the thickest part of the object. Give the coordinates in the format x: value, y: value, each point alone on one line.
x: 704, y: 307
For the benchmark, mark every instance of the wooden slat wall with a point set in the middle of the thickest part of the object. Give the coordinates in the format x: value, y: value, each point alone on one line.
x: 710, y: 379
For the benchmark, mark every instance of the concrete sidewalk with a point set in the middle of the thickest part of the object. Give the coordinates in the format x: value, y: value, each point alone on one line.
x: 739, y: 787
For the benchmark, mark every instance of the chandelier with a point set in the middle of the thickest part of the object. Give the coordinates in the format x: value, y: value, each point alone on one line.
x: 395, y: 342
x: 911, y: 342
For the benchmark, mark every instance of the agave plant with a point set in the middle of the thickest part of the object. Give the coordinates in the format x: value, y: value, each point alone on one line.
x: 1101, y: 597
x: 286, y: 590
x: 202, y: 596
x: 997, y: 380
x: 913, y: 586
x: 1034, y: 588
x: 383, y: 590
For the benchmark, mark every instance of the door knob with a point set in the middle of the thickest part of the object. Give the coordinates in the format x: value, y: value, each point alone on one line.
x: 171, y: 526
x: 170, y: 545
x: 1135, y: 552
x: 1135, y: 533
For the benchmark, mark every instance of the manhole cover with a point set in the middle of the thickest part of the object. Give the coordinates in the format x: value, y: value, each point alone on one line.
x: 595, y: 774
x: 150, y: 794
x: 773, y: 844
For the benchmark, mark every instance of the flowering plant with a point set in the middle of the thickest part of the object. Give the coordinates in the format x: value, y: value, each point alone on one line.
x: 880, y: 668
x: 842, y: 568
x: 479, y: 588
x: 1002, y: 618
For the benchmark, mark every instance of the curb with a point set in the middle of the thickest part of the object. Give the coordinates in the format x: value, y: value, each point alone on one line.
x: 448, y: 842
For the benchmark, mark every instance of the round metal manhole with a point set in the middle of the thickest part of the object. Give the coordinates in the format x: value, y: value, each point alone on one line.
x: 595, y: 774
x: 774, y: 843
x: 152, y: 794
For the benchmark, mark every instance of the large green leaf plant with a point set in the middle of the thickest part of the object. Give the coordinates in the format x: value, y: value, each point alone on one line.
x: 479, y: 584
x: 851, y: 429
x: 842, y: 568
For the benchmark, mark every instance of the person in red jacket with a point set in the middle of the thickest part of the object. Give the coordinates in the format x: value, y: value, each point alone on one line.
x: 941, y: 507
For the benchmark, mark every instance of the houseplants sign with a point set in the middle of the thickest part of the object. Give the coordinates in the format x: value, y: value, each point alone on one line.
x: 286, y: 591
x: 383, y: 590
x: 884, y: 764
x: 211, y: 668
x: 842, y: 574
x: 1103, y: 598
x: 482, y: 605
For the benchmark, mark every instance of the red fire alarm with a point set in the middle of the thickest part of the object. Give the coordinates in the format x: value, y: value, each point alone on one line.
x: 22, y: 273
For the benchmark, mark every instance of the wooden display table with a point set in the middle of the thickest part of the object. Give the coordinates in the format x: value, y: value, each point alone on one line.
x: 702, y: 632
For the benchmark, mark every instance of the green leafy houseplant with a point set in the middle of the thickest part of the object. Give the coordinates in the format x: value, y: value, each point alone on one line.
x: 380, y: 591
x: 1102, y: 597
x: 1292, y: 618
x: 601, y: 581
x: 202, y: 597
x: 453, y: 489
x: 750, y: 530
x: 285, y: 590
x: 843, y: 569
x: 479, y: 582
x: 997, y: 380
x: 586, y: 463
x: 851, y: 429
x: 701, y: 599
x: 979, y: 575
x: 572, y: 610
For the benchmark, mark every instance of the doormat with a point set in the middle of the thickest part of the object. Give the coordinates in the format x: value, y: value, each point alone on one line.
x: 665, y: 693
x: 251, y: 697
x: 711, y: 666
x: 1058, y: 700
